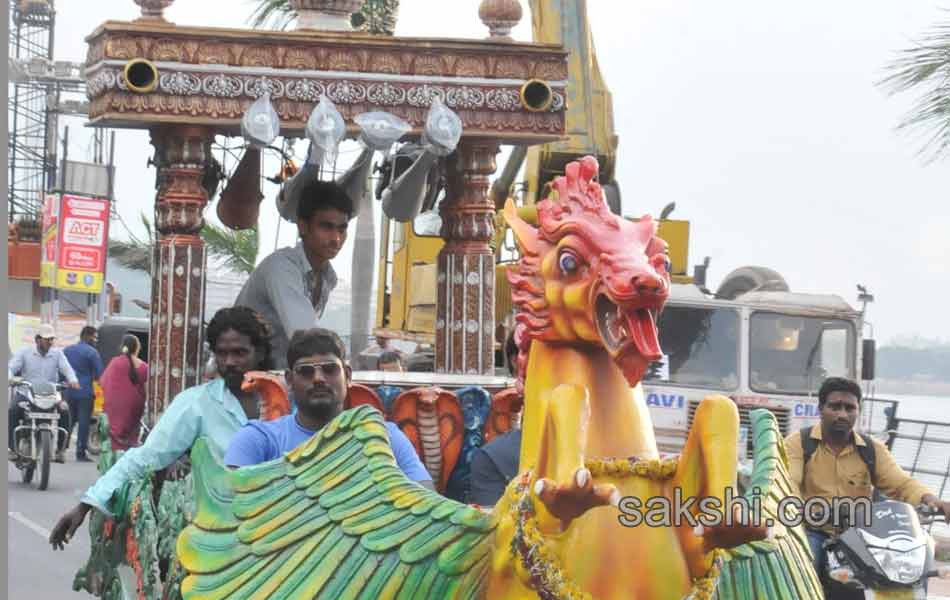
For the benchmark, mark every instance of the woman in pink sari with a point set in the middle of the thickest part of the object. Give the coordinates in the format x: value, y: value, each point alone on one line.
x: 123, y: 385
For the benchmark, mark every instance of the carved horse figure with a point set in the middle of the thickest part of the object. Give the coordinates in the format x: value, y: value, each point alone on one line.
x: 336, y: 518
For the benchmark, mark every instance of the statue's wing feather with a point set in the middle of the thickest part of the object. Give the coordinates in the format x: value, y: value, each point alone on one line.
x: 335, y: 518
x: 779, y: 568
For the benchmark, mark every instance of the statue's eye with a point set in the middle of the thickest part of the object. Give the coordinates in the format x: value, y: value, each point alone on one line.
x: 568, y: 263
x: 662, y: 260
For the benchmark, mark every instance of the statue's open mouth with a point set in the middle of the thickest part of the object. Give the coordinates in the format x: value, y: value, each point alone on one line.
x: 629, y: 334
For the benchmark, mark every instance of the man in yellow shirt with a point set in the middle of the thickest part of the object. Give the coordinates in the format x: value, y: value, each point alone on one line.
x: 838, y: 462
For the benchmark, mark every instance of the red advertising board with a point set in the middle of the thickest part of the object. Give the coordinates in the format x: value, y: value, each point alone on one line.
x: 83, y: 243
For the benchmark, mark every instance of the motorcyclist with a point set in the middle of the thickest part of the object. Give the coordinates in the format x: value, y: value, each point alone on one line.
x: 835, y: 461
x: 40, y: 364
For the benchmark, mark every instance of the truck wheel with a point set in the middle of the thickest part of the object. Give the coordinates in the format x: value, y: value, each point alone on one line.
x: 46, y: 457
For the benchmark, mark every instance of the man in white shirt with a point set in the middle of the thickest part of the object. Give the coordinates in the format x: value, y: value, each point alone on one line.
x: 41, y: 364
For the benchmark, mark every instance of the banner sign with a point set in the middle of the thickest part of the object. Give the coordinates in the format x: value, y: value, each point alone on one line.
x: 83, y: 243
x: 50, y: 239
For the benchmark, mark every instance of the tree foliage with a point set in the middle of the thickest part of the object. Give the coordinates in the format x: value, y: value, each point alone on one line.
x: 134, y: 253
x: 925, y: 68
x: 236, y: 250
x: 905, y: 362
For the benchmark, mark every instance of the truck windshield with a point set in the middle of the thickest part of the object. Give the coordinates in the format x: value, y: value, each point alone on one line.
x: 793, y: 354
x: 700, y: 346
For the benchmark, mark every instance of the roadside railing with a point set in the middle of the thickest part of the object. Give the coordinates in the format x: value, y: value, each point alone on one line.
x: 921, y: 447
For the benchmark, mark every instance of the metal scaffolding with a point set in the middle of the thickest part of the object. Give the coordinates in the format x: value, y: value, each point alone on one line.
x: 32, y: 128
x: 40, y: 90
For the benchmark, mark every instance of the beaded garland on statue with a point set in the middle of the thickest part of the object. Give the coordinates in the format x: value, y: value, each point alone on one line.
x: 547, y: 575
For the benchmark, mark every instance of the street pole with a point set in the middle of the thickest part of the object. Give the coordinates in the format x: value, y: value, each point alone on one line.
x: 105, y: 306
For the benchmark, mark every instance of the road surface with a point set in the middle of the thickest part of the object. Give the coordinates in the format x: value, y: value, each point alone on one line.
x: 35, y: 571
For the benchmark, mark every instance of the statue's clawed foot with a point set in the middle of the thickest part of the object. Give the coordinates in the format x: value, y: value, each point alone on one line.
x: 740, y: 530
x: 567, y: 501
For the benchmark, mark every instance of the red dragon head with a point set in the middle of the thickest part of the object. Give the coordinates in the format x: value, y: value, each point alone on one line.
x: 588, y: 276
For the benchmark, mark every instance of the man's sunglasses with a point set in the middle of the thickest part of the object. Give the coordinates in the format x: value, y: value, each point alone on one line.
x: 308, y: 370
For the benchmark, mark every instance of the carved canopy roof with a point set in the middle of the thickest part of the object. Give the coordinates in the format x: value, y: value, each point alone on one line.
x: 209, y: 76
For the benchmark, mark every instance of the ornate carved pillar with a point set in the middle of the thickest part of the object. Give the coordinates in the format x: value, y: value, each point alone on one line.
x: 465, y: 321
x: 178, y: 263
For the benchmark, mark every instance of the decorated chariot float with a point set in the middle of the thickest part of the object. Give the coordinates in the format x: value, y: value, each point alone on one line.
x: 335, y: 518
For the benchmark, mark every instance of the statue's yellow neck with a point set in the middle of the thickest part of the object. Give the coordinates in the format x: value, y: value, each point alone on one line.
x: 620, y: 424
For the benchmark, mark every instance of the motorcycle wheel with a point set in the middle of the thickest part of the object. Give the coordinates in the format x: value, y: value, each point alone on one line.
x: 25, y: 463
x: 27, y: 473
x: 92, y: 444
x: 46, y: 457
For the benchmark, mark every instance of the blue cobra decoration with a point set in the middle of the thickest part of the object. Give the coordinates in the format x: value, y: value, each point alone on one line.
x: 476, y: 404
x: 387, y: 395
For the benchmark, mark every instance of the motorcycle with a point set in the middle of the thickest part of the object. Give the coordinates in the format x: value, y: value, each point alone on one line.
x: 890, y: 556
x: 36, y: 433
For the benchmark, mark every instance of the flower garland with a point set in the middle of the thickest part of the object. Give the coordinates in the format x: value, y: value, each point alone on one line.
x: 655, y: 469
x: 705, y: 587
x: 543, y: 565
x: 132, y: 547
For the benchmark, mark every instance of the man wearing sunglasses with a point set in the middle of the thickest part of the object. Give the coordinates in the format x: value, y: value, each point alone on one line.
x: 319, y: 379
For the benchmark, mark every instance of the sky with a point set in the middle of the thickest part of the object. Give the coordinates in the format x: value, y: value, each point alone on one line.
x: 761, y: 121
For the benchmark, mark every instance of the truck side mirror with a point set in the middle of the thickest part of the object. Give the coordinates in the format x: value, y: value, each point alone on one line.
x: 868, y: 349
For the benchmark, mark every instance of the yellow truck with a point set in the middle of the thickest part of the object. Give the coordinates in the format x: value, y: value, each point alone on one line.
x: 723, y: 341
x: 406, y: 292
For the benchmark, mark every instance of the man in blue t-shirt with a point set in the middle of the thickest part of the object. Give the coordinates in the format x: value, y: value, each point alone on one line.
x: 86, y: 362
x: 318, y: 378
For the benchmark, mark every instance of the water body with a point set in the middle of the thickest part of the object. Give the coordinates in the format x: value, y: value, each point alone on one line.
x: 922, y: 447
x: 927, y: 408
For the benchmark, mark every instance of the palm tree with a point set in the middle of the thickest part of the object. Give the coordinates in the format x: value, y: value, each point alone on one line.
x: 926, y: 67
x: 376, y: 16
x: 134, y: 253
x: 236, y: 250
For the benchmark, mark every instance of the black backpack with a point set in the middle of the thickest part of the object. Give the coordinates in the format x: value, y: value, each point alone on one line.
x: 867, y: 453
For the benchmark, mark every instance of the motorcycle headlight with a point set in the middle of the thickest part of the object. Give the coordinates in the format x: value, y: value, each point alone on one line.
x: 905, y: 566
x: 44, y: 402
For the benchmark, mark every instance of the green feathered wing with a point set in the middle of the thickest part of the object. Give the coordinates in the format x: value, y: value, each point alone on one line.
x: 335, y: 518
x: 780, y: 568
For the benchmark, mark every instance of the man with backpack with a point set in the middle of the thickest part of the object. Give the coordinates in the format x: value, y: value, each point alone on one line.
x: 831, y: 460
